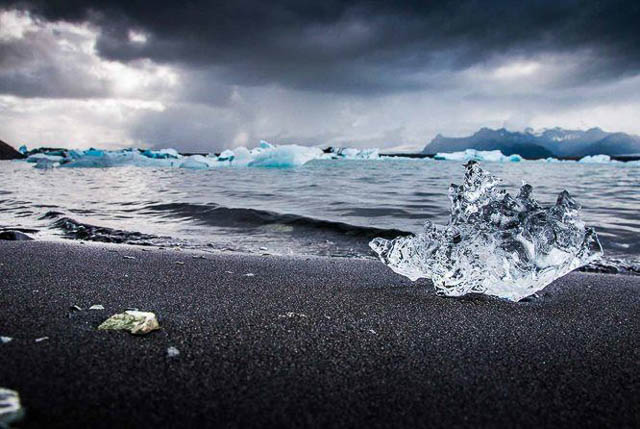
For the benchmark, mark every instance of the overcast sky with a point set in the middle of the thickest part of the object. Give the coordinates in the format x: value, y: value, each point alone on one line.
x: 206, y: 75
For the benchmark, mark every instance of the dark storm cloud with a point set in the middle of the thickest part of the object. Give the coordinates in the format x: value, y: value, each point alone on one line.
x: 357, y: 47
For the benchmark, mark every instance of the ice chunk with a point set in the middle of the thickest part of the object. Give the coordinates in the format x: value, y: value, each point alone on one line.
x: 226, y: 155
x: 94, y: 152
x: 353, y: 153
x: 494, y: 243
x: 136, y: 322
x: 478, y: 155
x: 265, y: 145
x: 5, y: 340
x: 162, y: 153
x: 46, y: 164
x: 36, y: 157
x: 103, y: 159
x: 285, y: 156
x: 596, y: 159
x: 196, y: 162
x: 10, y: 407
x: 23, y: 149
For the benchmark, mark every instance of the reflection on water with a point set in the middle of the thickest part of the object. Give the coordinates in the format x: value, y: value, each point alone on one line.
x: 334, y: 206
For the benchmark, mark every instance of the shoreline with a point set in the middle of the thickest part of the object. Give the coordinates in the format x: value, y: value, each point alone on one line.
x: 306, y: 341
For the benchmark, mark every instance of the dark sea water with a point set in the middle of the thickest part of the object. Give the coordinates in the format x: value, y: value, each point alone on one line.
x: 325, y: 207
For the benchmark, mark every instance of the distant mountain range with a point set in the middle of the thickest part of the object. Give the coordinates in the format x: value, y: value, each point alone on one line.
x: 555, y: 142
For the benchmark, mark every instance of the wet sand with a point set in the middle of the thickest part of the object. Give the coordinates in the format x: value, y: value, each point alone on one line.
x: 306, y: 343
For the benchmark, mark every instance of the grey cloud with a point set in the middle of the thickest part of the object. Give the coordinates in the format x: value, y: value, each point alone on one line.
x: 336, y: 72
x: 34, y: 66
x: 356, y: 46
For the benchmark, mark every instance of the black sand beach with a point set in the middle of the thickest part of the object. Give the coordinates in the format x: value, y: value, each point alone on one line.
x: 306, y: 343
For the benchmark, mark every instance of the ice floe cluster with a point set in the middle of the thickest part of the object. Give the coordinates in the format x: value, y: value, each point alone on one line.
x: 498, y: 156
x: 494, y: 244
x: 264, y: 155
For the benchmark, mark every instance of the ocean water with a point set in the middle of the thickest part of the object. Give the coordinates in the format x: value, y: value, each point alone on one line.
x: 324, y: 207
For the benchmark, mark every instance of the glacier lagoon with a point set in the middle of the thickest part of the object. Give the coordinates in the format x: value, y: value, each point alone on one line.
x: 311, y: 203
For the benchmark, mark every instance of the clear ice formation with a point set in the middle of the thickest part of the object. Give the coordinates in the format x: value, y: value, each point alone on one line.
x: 494, y: 244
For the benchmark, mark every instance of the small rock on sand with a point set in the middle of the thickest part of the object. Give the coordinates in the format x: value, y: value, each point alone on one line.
x: 136, y: 322
x: 172, y: 352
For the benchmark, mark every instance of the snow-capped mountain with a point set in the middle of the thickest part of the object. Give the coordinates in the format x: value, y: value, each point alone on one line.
x: 556, y: 142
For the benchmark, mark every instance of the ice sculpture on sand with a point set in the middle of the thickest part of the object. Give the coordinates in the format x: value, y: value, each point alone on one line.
x: 494, y: 243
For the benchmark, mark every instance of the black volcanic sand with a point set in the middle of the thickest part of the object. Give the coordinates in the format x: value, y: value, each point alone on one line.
x: 364, y: 348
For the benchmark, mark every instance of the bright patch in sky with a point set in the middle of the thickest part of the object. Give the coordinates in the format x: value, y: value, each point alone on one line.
x: 516, y: 70
x: 137, y: 37
x: 14, y: 24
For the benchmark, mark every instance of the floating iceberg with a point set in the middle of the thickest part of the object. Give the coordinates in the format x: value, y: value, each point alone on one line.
x: 44, y: 156
x: 161, y: 154
x: 268, y: 155
x: 198, y: 162
x: 45, y: 164
x: 478, y: 155
x: 596, y: 159
x: 352, y: 153
x: 494, y: 243
x: 104, y: 159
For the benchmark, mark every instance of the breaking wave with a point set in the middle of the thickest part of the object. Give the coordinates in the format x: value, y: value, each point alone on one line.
x: 72, y: 229
x: 355, y: 237
x: 227, y: 217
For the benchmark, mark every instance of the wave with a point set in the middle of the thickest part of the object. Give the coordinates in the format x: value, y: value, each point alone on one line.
x: 613, y: 266
x: 228, y: 217
x: 247, y: 220
x: 72, y: 229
